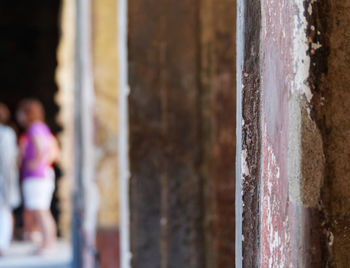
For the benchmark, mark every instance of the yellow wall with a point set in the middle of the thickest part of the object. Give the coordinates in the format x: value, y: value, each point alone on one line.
x: 105, y: 68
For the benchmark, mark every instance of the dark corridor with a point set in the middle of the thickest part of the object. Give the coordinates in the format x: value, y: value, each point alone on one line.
x: 28, y: 43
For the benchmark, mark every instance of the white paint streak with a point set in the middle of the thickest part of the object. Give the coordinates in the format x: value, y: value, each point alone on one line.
x: 309, y: 9
x: 245, y: 168
x: 277, y: 238
x: 302, y: 60
x: 316, y: 46
x: 277, y: 248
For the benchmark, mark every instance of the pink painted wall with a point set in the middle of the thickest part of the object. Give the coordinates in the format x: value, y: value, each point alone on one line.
x: 289, y: 235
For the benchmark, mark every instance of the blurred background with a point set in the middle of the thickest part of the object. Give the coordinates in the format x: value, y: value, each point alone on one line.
x: 141, y: 96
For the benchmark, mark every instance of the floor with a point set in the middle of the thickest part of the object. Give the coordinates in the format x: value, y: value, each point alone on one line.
x: 19, y: 256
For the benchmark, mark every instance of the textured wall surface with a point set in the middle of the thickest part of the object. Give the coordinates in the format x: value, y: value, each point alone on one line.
x: 292, y: 174
x: 182, y: 116
x: 166, y: 193
x: 288, y: 231
x: 333, y: 114
x: 248, y: 134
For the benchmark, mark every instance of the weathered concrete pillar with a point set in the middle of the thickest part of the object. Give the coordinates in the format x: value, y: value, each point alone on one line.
x: 281, y: 155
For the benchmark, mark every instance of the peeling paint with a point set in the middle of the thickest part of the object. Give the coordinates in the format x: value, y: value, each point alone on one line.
x: 301, y: 58
x: 287, y: 239
x: 275, y: 225
x: 305, y: 150
x: 245, y: 167
x: 309, y: 9
x: 316, y: 46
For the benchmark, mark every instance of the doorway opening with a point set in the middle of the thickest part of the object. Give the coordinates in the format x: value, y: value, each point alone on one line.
x: 28, y: 46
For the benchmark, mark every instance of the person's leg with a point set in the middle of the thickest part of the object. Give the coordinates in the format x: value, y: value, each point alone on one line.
x: 47, y: 227
x: 52, y: 227
x: 38, y: 194
x: 30, y: 229
x: 6, y: 228
x: 31, y: 196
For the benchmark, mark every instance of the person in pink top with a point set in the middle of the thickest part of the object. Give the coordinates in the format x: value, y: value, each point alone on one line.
x: 37, y: 175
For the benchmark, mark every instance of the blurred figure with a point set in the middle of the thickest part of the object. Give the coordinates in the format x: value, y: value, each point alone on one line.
x: 30, y: 229
x: 38, y: 182
x: 9, y: 187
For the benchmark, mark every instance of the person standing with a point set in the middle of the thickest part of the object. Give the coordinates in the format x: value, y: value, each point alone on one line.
x: 38, y: 182
x: 9, y: 186
x: 30, y: 229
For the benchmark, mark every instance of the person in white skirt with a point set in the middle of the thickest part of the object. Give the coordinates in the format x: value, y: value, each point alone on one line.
x: 38, y: 180
x: 9, y: 185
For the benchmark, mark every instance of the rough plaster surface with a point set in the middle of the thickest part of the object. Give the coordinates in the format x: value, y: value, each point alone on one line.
x: 249, y: 135
x: 305, y: 145
x: 275, y: 240
x: 304, y: 79
x: 276, y: 211
x: 305, y: 155
x: 292, y: 157
x: 313, y: 161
